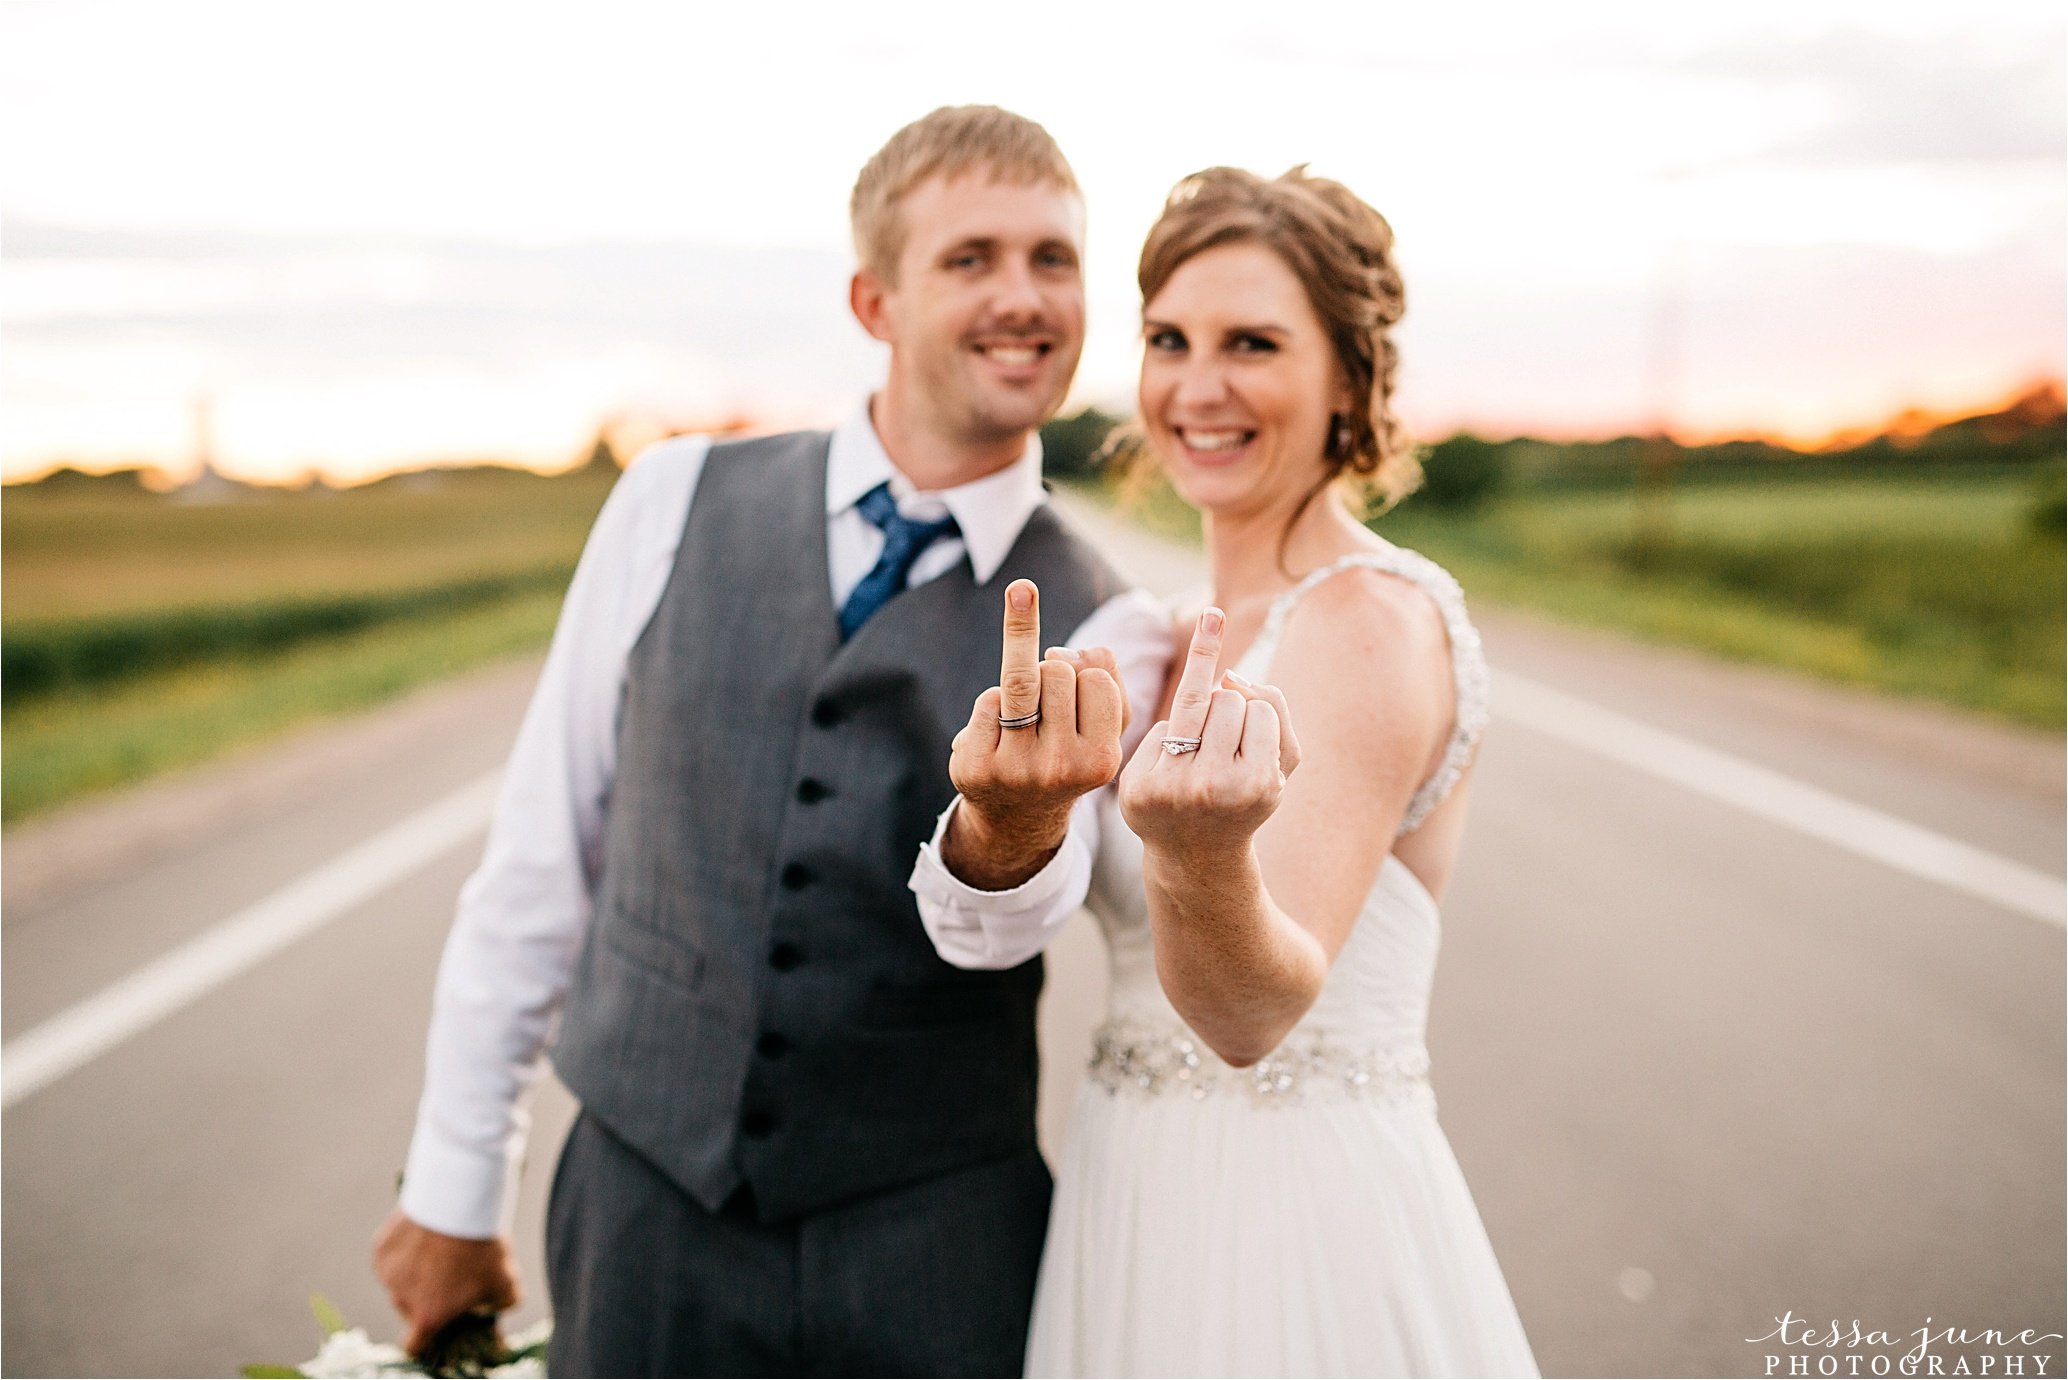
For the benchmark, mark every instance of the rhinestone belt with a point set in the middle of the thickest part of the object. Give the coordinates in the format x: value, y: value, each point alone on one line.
x: 1155, y: 1060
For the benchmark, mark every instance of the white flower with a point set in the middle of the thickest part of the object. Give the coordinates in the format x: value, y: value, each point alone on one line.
x: 529, y: 1366
x: 351, y: 1353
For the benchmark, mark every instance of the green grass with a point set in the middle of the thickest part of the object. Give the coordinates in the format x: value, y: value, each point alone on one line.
x: 1914, y: 585
x: 68, y: 554
x: 44, y: 657
x: 107, y: 737
x: 141, y: 635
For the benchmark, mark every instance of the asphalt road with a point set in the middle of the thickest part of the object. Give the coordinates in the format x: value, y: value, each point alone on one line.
x: 1702, y: 1068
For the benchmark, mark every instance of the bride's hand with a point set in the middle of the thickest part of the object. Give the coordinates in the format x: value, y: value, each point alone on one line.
x: 1199, y: 804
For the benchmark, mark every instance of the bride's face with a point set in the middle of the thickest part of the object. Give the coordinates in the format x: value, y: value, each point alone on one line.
x: 1239, y: 382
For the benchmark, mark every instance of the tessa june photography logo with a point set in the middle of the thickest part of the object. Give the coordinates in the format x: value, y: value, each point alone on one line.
x: 1803, y: 1348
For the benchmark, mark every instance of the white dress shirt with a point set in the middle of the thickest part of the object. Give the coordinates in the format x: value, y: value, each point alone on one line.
x: 524, y: 913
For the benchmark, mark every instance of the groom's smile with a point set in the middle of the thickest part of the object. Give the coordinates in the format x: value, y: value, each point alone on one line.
x: 1017, y: 361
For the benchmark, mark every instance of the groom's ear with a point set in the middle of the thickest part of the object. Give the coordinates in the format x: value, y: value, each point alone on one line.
x: 865, y: 296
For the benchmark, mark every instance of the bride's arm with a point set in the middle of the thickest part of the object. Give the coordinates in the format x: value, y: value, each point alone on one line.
x: 1255, y: 876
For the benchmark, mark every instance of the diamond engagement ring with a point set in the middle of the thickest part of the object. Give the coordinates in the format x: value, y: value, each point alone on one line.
x: 1178, y: 747
x: 1023, y: 721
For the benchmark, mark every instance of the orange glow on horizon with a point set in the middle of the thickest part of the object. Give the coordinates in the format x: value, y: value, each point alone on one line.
x: 2035, y: 403
x: 2040, y: 400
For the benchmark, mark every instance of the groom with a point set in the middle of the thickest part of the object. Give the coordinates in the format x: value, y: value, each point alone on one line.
x: 806, y: 1143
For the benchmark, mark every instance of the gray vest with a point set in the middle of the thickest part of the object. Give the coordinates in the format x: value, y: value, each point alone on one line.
x: 757, y: 1001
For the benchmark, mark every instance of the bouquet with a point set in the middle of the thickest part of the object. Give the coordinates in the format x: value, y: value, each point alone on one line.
x: 469, y: 1345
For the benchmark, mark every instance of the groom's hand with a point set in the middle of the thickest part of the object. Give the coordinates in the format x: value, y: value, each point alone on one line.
x: 1018, y: 784
x: 432, y: 1278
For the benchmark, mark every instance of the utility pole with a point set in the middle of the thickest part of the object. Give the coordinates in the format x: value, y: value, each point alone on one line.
x: 1664, y: 361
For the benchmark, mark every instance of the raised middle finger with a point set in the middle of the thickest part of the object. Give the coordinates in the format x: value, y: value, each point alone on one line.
x: 1019, y: 669
x: 1196, y: 678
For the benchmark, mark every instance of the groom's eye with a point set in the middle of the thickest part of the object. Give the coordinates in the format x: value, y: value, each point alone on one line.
x: 969, y: 258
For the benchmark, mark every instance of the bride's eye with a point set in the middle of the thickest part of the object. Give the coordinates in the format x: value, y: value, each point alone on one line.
x: 1166, y: 340
x: 1253, y: 345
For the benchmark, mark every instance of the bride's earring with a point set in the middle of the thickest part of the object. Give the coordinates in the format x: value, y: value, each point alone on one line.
x: 1339, y: 436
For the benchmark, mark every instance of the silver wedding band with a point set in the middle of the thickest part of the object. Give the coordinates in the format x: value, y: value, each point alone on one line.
x: 1178, y: 747
x: 1023, y: 721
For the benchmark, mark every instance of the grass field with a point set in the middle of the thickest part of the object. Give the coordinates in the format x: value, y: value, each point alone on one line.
x: 64, y: 746
x: 141, y: 635
x: 1925, y: 586
x: 98, y: 553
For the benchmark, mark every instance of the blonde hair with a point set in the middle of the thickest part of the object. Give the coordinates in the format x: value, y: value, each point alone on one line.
x: 947, y: 143
x: 1341, y: 250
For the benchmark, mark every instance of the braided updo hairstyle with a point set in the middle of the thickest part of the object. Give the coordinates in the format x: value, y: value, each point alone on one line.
x: 1341, y: 250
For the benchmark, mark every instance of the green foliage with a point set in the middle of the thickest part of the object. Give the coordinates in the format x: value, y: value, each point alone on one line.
x: 2048, y: 515
x: 1070, y: 446
x: 1926, y: 586
x: 603, y: 457
x: 67, y: 479
x: 1459, y: 475
x: 264, y: 1372
x: 1919, y: 586
x: 1993, y: 609
x: 44, y: 658
x: 327, y: 1316
x: 106, y: 737
x: 144, y: 634
x: 2024, y: 434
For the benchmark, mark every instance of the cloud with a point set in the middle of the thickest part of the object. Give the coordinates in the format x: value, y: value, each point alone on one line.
x: 1911, y: 100
x: 293, y: 307
x: 355, y: 352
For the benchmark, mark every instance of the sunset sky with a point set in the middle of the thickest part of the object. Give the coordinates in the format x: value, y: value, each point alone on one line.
x: 373, y: 235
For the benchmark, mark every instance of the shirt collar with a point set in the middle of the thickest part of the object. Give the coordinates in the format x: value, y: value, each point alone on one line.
x: 990, y: 511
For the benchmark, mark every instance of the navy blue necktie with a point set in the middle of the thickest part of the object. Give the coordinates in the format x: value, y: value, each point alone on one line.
x: 903, y: 540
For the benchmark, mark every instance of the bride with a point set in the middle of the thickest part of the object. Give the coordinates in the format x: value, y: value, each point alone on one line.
x: 1255, y: 1181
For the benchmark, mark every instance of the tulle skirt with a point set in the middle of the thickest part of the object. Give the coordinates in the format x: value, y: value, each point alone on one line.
x: 1219, y: 1237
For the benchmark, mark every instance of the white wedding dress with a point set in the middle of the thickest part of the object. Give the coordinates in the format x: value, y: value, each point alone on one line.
x: 1304, y: 1216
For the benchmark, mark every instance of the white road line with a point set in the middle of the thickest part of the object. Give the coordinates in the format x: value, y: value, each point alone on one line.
x: 39, y: 1057
x: 75, y: 1037
x: 1783, y: 800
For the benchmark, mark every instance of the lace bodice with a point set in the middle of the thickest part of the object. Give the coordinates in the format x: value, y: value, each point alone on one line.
x: 1364, y: 1036
x: 1468, y: 660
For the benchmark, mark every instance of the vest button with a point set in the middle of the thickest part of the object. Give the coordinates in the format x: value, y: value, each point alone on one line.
x: 772, y: 1046
x: 826, y: 714
x: 796, y: 877
x: 811, y: 790
x: 758, y: 1125
x: 784, y: 957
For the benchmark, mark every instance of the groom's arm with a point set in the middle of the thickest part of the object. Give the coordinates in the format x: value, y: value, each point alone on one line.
x: 992, y: 896
x: 523, y: 914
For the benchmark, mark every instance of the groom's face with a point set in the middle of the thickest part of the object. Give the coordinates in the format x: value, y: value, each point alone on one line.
x: 986, y: 317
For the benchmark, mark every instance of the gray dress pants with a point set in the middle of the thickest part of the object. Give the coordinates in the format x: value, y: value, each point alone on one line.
x: 932, y: 1278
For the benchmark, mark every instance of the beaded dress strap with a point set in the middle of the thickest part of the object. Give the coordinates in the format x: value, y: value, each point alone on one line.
x: 1469, y: 677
